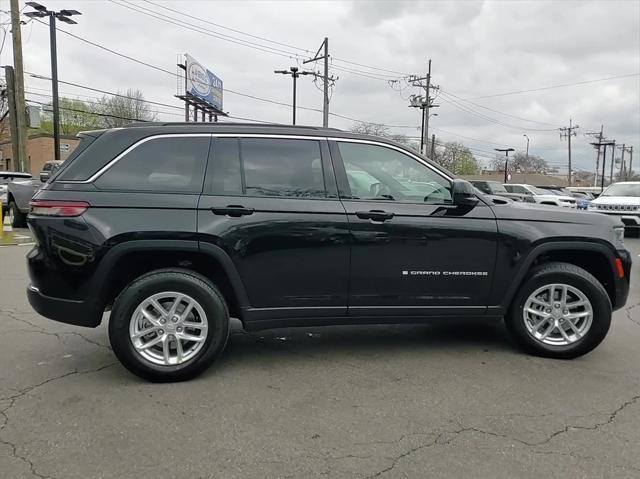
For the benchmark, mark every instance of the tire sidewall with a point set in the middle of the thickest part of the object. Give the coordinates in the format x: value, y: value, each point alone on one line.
x: 594, y: 292
x: 199, y: 289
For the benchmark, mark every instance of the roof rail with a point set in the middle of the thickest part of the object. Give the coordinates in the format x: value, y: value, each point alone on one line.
x: 222, y: 123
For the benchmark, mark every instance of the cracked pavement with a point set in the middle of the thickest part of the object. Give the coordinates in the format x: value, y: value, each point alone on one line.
x: 441, y: 400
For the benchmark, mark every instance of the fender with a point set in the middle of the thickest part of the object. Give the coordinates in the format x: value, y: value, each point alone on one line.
x: 543, y: 248
x: 105, y: 269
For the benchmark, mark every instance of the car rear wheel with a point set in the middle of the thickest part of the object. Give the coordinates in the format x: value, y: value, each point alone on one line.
x: 169, y: 325
x: 561, y: 311
x: 16, y: 217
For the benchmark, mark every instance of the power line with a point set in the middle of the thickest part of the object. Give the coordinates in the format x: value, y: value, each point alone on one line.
x: 198, y: 29
x: 474, y: 112
x: 228, y: 28
x: 495, y: 111
x: 272, y: 41
x: 562, y: 85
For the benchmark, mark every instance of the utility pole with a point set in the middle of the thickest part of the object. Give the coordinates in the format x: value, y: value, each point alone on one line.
x: 424, y: 103
x: 325, y: 78
x: 613, y: 160
x: 433, y: 147
x: 62, y: 15
x: 631, y: 161
x: 506, y: 161
x: 20, y: 108
x: 13, y: 124
x: 527, y: 154
x: 568, y: 132
x: 621, y: 175
x: 293, y: 71
x: 600, y: 137
x: 604, y: 158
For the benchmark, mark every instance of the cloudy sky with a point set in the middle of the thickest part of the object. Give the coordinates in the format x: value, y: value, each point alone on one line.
x: 482, y: 54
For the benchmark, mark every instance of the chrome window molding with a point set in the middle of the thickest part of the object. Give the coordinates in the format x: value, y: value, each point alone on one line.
x: 106, y: 167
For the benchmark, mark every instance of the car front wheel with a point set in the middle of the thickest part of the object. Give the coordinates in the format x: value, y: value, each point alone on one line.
x: 169, y: 325
x: 561, y: 311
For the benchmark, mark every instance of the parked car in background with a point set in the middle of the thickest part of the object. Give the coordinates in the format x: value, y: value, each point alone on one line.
x: 20, y: 191
x: 621, y: 200
x: 582, y: 199
x: 48, y: 169
x: 497, y: 189
x: 541, y: 196
x: 7, y: 177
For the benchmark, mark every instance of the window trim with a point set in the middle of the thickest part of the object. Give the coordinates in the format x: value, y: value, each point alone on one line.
x: 341, y: 177
x: 142, y: 141
x: 319, y: 138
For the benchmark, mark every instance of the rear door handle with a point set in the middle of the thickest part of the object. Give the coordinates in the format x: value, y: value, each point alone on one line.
x: 375, y: 215
x: 232, y: 210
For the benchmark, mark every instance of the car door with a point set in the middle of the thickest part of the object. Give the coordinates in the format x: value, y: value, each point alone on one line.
x: 413, y: 252
x: 271, y: 204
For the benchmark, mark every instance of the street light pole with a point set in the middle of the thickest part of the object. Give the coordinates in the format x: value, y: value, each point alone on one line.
x: 506, y: 161
x: 293, y: 71
x: 62, y: 15
x: 54, y: 87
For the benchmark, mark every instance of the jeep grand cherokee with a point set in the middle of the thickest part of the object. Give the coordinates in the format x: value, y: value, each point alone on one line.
x: 173, y: 228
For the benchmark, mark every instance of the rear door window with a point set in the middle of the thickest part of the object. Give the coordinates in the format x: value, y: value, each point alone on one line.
x: 161, y: 164
x: 267, y: 167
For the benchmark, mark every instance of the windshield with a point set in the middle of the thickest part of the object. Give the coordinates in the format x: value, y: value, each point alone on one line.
x: 623, y: 189
x: 538, y: 191
x: 497, y: 187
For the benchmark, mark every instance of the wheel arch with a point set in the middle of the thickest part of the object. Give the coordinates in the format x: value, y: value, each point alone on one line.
x: 128, y: 260
x: 596, y: 258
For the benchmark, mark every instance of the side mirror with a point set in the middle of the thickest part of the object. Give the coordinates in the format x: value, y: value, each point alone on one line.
x: 44, y: 177
x: 464, y: 193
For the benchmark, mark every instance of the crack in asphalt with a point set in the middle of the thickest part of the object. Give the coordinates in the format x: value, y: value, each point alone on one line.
x: 39, y: 329
x: 438, y: 439
x: 628, y: 312
x: 23, y: 392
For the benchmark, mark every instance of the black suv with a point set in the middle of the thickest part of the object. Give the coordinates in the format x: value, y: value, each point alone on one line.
x: 176, y: 227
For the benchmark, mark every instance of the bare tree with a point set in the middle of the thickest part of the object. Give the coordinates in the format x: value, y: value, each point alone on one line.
x: 376, y: 129
x: 125, y: 108
x: 520, y: 162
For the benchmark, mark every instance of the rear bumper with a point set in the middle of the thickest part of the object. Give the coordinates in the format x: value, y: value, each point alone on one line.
x: 78, y: 313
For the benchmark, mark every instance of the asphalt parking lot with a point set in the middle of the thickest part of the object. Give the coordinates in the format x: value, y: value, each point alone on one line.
x: 443, y: 400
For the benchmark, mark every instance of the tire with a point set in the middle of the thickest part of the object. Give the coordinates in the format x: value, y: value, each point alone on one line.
x: 18, y: 219
x: 126, y: 315
x: 577, y: 281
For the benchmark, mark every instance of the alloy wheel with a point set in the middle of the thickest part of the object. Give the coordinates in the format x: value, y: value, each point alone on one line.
x: 168, y: 328
x: 557, y: 314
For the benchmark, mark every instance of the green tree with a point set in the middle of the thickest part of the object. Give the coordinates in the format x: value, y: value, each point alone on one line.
x: 75, y: 115
x: 457, y: 158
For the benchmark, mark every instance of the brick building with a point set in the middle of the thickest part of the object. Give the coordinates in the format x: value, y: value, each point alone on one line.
x: 39, y: 150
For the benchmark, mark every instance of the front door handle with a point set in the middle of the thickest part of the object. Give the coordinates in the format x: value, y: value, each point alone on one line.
x: 232, y: 210
x: 375, y: 215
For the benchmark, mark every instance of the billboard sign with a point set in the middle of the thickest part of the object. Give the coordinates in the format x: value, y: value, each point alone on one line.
x: 203, y: 84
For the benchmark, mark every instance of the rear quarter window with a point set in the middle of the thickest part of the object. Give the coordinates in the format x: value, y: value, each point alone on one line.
x: 161, y: 165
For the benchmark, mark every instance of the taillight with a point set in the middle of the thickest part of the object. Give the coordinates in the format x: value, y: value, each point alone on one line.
x: 64, y: 209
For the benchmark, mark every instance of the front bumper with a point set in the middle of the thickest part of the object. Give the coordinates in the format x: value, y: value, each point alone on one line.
x: 621, y: 285
x: 78, y: 313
